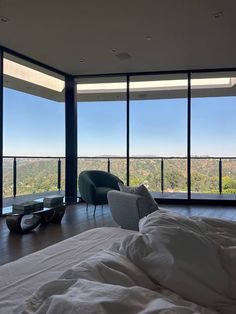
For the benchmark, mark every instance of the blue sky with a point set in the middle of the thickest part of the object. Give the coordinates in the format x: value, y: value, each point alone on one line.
x: 34, y: 126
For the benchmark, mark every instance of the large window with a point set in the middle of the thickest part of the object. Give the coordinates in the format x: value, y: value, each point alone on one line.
x: 213, y: 149
x: 158, y: 133
x: 33, y: 128
x: 102, y: 125
x: 177, y: 141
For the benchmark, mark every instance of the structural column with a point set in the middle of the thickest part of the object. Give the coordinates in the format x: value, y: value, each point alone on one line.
x: 71, y: 139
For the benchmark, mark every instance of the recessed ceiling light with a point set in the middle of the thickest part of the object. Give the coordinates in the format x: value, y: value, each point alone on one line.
x: 217, y: 15
x: 148, y: 38
x: 4, y: 19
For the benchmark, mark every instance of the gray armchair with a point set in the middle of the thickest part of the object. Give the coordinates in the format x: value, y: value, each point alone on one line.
x: 94, y: 186
x: 127, y: 209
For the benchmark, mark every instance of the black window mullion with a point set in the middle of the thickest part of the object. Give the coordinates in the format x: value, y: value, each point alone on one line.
x: 189, y: 137
x: 127, y: 128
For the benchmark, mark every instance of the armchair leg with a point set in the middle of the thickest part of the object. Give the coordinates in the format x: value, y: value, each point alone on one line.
x: 95, y: 206
x: 86, y: 206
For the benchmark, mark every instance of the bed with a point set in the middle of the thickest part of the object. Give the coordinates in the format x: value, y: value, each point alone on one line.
x: 19, y: 278
x: 174, y: 264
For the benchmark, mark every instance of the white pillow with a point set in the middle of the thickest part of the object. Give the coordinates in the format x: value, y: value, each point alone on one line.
x: 143, y: 191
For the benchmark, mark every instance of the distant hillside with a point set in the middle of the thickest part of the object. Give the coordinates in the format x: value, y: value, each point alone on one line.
x: 40, y: 175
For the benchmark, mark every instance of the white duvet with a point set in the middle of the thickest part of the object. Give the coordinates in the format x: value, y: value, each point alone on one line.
x: 175, y: 265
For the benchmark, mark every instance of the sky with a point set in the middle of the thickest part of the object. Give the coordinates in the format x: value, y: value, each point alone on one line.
x: 35, y: 126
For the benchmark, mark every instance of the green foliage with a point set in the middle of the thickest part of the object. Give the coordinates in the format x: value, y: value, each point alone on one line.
x: 228, y: 183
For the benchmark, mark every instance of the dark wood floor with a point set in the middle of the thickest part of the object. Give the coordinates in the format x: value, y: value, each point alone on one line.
x: 77, y: 220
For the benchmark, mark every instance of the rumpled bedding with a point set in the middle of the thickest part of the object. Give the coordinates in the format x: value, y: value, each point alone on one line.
x: 174, y: 265
x: 194, y: 257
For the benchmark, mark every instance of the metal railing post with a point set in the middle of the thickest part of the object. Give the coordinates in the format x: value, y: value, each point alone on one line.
x: 108, y: 165
x: 162, y: 175
x: 220, y: 176
x: 59, y: 174
x: 14, y: 177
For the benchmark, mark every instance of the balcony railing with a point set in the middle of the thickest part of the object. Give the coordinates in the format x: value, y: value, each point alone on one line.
x: 16, y: 167
x: 162, y: 173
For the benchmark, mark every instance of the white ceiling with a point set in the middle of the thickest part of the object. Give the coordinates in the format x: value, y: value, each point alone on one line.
x: 185, y: 35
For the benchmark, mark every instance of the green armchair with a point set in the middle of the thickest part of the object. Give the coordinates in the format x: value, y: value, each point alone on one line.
x: 94, y: 186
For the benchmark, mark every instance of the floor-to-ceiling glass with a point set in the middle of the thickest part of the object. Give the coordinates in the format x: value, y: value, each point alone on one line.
x: 213, y: 153
x: 158, y: 134
x: 33, y: 130
x: 102, y: 124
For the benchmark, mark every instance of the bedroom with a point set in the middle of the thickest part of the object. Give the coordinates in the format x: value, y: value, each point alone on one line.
x: 177, y: 57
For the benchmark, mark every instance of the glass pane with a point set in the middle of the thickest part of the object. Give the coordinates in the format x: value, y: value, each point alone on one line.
x: 92, y: 164
x: 63, y: 169
x: 204, y: 176
x: 102, y: 124
x: 36, y: 175
x: 146, y: 171
x: 175, y: 175
x: 7, y: 177
x: 158, y: 129
x: 229, y: 176
x: 118, y: 167
x: 213, y: 134
x: 33, y: 126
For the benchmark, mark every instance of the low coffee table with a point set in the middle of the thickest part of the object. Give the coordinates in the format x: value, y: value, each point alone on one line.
x: 22, y: 223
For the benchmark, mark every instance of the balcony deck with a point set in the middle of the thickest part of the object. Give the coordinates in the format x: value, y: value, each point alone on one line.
x: 8, y: 201
x: 194, y: 196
